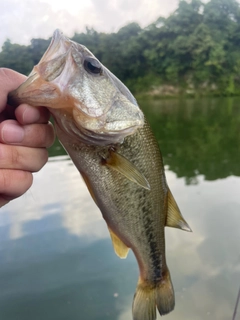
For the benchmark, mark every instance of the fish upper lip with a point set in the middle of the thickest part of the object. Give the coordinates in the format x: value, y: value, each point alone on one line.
x: 59, y: 83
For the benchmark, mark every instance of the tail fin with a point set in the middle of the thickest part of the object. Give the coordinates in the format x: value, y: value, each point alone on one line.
x: 148, y: 296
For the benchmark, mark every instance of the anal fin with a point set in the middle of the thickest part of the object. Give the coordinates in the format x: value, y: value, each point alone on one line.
x: 174, y: 216
x: 120, y: 248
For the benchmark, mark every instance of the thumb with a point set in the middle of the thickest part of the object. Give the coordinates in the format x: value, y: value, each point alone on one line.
x: 9, y: 80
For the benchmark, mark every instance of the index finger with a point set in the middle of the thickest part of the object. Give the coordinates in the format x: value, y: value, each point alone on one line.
x: 9, y: 80
x: 26, y: 114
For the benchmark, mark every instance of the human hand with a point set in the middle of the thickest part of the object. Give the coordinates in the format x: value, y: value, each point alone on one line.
x: 25, y: 133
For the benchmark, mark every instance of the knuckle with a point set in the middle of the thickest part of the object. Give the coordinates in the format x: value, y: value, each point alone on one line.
x: 42, y: 159
x: 46, y: 135
x: 15, y: 157
x: 14, y: 183
x: 4, y: 72
x: 42, y: 134
x: 9, y: 156
x: 5, y: 179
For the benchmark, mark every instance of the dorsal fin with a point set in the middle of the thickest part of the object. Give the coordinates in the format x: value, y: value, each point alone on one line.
x: 124, y: 166
x: 120, y: 248
x: 174, y: 216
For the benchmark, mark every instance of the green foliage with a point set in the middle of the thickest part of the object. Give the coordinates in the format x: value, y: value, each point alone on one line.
x: 196, y: 49
x: 22, y: 58
x: 17, y: 57
x: 37, y: 49
x: 197, y: 136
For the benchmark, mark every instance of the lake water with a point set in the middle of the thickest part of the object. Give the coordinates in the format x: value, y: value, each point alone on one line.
x: 56, y: 257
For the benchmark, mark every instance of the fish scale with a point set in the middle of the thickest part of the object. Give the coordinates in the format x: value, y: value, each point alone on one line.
x: 136, y: 215
x: 101, y: 126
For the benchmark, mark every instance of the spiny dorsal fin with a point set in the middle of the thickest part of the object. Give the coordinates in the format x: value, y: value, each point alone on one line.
x: 120, y: 248
x: 125, y: 167
x: 174, y: 216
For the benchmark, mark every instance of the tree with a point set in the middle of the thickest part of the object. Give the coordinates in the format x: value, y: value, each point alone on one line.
x: 197, y: 46
x: 16, y: 57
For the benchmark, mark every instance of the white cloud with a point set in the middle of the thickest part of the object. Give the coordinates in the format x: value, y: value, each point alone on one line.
x: 204, y: 265
x: 22, y: 20
x: 67, y: 197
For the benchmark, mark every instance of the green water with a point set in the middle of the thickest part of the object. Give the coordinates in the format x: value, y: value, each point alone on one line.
x: 56, y: 258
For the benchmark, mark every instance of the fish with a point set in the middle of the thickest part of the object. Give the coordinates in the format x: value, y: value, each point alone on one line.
x: 99, y: 123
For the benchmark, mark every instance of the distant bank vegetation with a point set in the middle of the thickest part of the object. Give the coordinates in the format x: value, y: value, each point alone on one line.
x: 195, y: 51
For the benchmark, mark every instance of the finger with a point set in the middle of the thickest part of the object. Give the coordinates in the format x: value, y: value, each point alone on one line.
x: 27, y: 114
x: 31, y: 135
x: 22, y: 158
x: 7, y: 113
x: 9, y: 80
x: 13, y: 184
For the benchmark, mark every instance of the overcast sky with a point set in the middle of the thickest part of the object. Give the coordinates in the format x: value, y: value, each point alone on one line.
x: 22, y: 20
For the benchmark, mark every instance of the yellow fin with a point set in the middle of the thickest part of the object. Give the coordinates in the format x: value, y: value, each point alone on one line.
x: 174, y: 216
x: 149, y: 295
x: 125, y: 167
x: 88, y: 184
x: 120, y: 248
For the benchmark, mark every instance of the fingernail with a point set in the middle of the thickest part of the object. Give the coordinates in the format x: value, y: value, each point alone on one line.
x: 12, y: 133
x: 31, y: 115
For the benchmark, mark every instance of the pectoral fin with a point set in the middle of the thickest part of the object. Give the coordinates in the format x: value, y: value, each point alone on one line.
x: 174, y: 216
x: 120, y: 248
x: 122, y: 165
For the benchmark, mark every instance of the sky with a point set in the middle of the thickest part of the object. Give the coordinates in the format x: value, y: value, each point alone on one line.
x: 22, y: 20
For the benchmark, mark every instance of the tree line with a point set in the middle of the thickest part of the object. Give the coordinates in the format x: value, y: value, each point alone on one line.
x: 196, y: 50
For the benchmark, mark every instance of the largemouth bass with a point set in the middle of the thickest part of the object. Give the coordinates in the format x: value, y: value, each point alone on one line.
x: 100, y: 125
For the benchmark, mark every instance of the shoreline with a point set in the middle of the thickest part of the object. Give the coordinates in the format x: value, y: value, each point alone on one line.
x: 172, y: 92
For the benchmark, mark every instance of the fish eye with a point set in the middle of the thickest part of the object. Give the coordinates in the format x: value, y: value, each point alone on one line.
x: 92, y: 66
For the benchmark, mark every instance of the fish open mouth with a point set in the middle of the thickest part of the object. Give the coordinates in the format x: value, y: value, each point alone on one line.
x: 69, y: 77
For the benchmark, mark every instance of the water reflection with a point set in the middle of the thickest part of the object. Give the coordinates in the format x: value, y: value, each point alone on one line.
x: 197, y: 136
x: 56, y: 258
x: 59, y: 264
x: 57, y: 190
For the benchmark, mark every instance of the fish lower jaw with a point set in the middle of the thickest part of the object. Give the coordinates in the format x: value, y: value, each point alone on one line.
x: 67, y: 129
x: 100, y: 130
x: 98, y: 137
